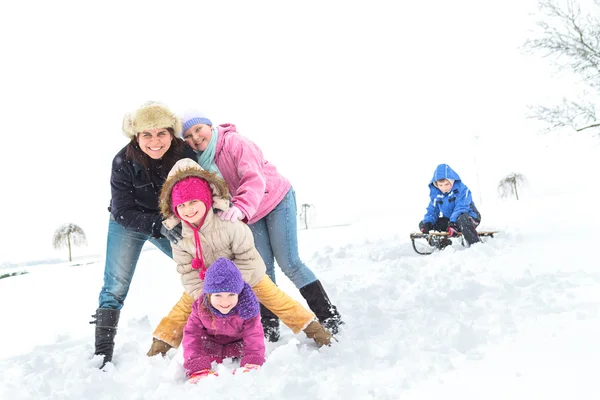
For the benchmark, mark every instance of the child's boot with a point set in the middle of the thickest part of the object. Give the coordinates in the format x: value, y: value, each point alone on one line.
x: 270, y: 324
x: 444, y: 242
x: 320, y: 335
x: 468, y: 228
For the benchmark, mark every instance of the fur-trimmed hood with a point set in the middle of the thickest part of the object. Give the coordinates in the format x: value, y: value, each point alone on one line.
x: 186, y: 168
x: 151, y: 115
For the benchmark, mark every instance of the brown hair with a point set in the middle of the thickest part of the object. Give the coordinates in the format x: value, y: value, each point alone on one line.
x: 135, y: 154
x: 443, y: 180
x: 205, y: 303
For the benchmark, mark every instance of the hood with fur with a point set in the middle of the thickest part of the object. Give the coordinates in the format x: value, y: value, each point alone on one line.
x: 186, y: 168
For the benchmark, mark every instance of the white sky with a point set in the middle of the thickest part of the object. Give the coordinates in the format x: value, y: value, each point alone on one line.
x: 355, y: 102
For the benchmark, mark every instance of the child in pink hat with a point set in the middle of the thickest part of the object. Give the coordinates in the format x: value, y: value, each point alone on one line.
x: 193, y: 195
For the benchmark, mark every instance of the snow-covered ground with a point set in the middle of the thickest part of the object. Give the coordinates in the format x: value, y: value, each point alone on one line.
x: 356, y: 103
x: 516, y: 317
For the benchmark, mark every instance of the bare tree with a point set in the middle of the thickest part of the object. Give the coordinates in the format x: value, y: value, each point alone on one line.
x: 577, y: 115
x: 304, y: 214
x: 570, y: 39
x: 68, y: 235
x: 508, y: 186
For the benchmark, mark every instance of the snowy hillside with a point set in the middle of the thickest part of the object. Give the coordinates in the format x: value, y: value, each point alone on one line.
x: 516, y: 317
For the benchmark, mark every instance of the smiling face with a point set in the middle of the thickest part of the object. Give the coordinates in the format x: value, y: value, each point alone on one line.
x: 224, y: 302
x: 192, y: 211
x: 198, y: 136
x: 155, y: 142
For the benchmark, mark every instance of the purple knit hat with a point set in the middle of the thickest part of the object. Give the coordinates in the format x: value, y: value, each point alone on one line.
x: 224, y: 276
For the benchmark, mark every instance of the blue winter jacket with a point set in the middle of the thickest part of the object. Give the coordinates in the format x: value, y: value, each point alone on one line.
x: 451, y: 204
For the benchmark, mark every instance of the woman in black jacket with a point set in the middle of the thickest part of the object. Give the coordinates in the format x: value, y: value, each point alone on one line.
x: 138, y: 173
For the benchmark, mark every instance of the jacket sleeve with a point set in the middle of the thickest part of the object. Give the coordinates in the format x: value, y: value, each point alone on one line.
x: 170, y: 328
x: 463, y: 201
x: 190, y: 279
x: 123, y: 203
x: 250, y: 168
x: 254, y: 342
x: 433, y: 209
x: 194, y: 343
x: 245, y: 254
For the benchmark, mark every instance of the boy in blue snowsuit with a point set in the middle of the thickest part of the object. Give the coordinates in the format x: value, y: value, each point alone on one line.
x: 451, y: 207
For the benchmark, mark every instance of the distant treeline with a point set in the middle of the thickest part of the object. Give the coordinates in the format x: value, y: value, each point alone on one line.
x: 13, y: 274
x: 8, y: 264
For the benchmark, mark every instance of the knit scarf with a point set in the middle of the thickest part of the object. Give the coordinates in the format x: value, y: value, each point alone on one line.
x: 247, y: 306
x: 198, y: 261
x: 206, y: 159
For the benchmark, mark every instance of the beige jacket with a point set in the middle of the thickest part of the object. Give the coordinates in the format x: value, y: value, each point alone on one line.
x: 231, y: 240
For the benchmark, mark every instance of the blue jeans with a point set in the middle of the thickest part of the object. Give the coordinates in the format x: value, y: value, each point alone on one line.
x: 123, y: 248
x: 276, y: 238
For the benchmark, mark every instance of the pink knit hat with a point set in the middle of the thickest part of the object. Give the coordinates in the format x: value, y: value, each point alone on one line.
x: 191, y: 188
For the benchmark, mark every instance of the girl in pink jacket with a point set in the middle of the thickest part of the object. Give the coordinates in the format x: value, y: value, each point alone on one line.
x: 224, y: 323
x: 267, y: 202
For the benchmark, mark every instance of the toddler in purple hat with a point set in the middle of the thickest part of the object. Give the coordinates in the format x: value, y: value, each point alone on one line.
x: 224, y: 323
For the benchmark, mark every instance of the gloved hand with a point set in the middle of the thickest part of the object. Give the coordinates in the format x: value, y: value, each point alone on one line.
x: 452, y: 229
x: 174, y: 235
x: 232, y: 214
x: 199, y: 375
x: 427, y: 226
x: 247, y: 368
x: 158, y: 346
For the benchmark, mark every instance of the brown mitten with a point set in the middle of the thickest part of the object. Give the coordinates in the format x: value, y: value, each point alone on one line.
x: 316, y: 332
x: 158, y: 346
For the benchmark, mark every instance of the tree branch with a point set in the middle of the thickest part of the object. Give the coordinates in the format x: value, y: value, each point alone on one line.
x: 587, y: 127
x: 572, y: 39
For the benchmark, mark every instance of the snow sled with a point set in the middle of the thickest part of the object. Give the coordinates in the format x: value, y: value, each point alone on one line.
x: 427, y: 243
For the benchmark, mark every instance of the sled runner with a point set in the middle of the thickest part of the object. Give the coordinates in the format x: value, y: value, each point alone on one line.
x: 427, y: 243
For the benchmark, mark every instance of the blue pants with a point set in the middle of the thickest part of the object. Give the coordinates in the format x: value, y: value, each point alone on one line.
x: 276, y: 238
x: 123, y: 248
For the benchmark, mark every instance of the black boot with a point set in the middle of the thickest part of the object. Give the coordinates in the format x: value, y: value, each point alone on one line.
x: 106, y: 322
x: 467, y: 226
x: 270, y: 323
x: 444, y: 242
x: 319, y: 303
